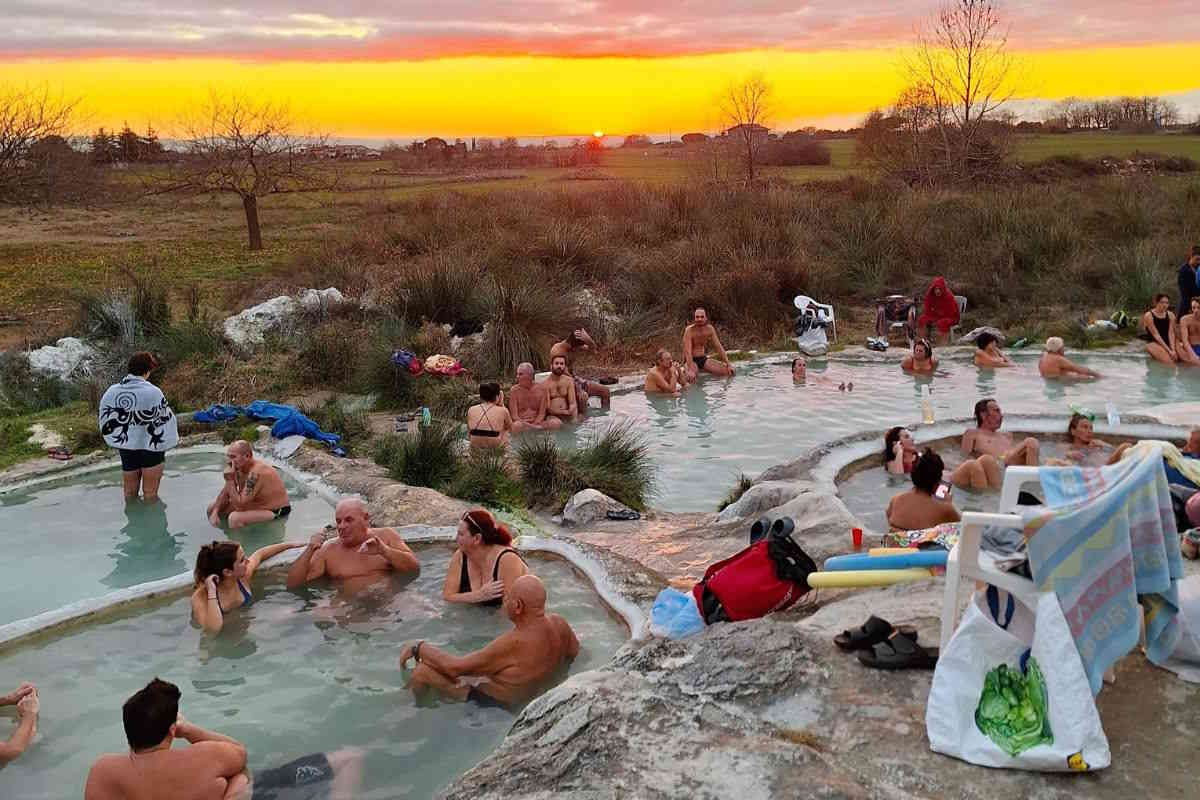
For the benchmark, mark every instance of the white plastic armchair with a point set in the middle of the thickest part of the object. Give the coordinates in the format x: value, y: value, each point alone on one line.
x: 822, y: 311
x: 962, y: 309
x: 963, y: 561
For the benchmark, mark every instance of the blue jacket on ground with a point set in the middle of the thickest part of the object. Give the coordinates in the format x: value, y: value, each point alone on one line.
x: 288, y: 421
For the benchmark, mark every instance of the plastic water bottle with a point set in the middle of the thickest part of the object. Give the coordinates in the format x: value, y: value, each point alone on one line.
x: 1114, y: 417
x: 426, y: 417
x: 926, y: 405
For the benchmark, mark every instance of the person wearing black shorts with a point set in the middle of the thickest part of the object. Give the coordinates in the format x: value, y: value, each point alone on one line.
x: 320, y: 776
x: 136, y: 420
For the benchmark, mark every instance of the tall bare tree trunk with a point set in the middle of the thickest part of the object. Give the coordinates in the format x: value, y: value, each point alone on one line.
x: 250, y: 204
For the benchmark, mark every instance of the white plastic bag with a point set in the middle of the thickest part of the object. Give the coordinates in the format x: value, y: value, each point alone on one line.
x: 1038, y: 713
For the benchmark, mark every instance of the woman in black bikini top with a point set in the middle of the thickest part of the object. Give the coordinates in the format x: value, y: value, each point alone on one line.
x: 492, y: 414
x: 482, y: 542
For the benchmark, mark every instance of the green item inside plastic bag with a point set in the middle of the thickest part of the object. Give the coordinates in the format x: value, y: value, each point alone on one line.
x: 1013, y: 708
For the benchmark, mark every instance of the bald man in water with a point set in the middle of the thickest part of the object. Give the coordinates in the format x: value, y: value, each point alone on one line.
x: 253, y: 491
x: 358, y: 551
x: 513, y: 666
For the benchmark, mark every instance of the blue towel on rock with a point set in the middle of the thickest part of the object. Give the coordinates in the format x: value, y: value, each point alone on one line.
x: 288, y: 421
x: 216, y: 413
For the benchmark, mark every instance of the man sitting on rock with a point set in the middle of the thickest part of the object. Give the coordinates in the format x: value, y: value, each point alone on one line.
x: 986, y: 438
x: 580, y: 339
x: 357, y: 552
x: 513, y: 667
x: 528, y: 403
x: 253, y: 490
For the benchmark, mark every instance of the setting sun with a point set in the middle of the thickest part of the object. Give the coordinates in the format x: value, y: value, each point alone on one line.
x: 598, y: 134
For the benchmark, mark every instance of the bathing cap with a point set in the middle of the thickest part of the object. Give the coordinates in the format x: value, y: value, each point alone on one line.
x: 1054, y: 344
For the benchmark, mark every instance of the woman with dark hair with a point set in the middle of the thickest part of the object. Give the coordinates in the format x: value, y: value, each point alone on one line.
x: 939, y: 310
x: 222, y: 575
x: 136, y: 419
x: 920, y: 360
x: 1160, y: 331
x: 919, y: 508
x: 488, y: 423
x: 483, y: 544
x: 988, y: 352
x: 900, y: 455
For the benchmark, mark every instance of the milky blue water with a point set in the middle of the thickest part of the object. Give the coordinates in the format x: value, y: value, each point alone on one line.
x: 76, y: 538
x: 297, y: 672
x: 759, y: 418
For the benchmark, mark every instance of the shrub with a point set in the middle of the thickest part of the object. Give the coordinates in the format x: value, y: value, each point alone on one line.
x: 740, y: 485
x: 429, y: 457
x: 443, y: 288
x: 329, y: 354
x: 525, y: 312
x: 334, y: 417
x: 1135, y: 278
x: 483, y: 478
x: 431, y: 339
x: 24, y: 390
x: 544, y: 471
x: 185, y: 340
x: 616, y: 462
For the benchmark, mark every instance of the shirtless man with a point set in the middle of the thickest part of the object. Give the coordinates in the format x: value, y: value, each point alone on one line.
x: 580, y: 339
x: 253, y: 490
x: 211, y: 769
x: 986, y: 438
x: 560, y: 391
x: 528, y: 403
x: 358, y: 551
x: 25, y: 698
x: 1053, y: 364
x: 696, y: 339
x: 919, y: 507
x: 663, y: 377
x: 1188, y: 345
x: 513, y: 666
x: 989, y: 354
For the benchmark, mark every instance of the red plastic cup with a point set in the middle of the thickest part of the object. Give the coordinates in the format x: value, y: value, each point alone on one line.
x: 856, y: 535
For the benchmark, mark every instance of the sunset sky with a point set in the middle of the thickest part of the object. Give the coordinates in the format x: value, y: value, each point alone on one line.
x: 371, y: 68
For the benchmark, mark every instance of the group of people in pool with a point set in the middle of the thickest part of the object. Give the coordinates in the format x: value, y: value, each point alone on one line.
x: 484, y: 570
x: 986, y: 451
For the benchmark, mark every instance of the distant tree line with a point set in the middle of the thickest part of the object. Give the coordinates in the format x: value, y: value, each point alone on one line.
x: 126, y: 147
x: 1132, y: 114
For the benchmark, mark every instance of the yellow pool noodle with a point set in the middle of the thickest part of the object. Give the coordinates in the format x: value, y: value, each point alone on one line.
x: 866, y: 577
x: 892, y: 551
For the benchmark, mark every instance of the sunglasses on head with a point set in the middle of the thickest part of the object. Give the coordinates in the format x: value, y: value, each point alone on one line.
x: 471, y: 523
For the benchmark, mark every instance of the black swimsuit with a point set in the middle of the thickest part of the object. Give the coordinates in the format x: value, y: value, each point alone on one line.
x: 464, y: 580
x: 490, y: 434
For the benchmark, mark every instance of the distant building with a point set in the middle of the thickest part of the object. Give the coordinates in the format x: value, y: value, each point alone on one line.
x: 434, y: 143
x: 693, y: 138
x: 754, y: 130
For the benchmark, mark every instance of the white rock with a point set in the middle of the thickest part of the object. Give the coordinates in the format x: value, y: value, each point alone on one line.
x: 761, y: 497
x: 589, y: 506
x: 62, y: 358
x: 973, y: 335
x: 44, y: 437
x: 248, y: 327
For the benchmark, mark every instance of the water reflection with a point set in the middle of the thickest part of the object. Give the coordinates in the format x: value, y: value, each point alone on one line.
x: 147, y: 549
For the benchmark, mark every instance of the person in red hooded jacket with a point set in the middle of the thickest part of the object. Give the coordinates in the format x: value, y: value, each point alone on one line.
x: 940, y: 310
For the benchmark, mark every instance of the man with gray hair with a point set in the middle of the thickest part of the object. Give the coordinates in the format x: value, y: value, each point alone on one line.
x: 357, y: 552
x: 528, y: 403
x: 1053, y: 364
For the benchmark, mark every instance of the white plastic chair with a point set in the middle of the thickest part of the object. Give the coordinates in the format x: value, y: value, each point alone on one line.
x: 963, y: 561
x: 962, y: 309
x: 822, y: 311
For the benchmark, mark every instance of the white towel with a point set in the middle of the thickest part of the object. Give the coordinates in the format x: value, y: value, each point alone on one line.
x: 134, y: 415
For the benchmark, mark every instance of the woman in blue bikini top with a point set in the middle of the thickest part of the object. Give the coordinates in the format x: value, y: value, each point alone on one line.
x: 484, y: 565
x: 222, y: 575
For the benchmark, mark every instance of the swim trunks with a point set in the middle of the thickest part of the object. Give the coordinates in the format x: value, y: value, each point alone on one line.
x: 581, y: 385
x: 133, y: 460
x: 307, y: 778
x: 699, y: 361
x: 282, y: 511
x: 1196, y: 349
x: 484, y: 700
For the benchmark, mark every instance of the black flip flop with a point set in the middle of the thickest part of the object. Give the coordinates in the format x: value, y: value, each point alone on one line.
x: 870, y: 633
x: 899, y: 652
x: 607, y: 380
x: 622, y: 514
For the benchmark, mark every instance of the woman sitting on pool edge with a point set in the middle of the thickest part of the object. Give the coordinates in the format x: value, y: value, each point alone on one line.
x: 919, y: 508
x: 920, y: 360
x: 222, y: 572
x: 1161, y: 331
x: 900, y: 454
x: 483, y: 544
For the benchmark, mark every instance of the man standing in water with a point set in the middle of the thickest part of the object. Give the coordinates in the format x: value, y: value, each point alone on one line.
x: 513, y: 666
x: 986, y: 438
x: 253, y: 490
x: 358, y: 551
x: 696, y: 339
x: 528, y: 403
x: 560, y: 388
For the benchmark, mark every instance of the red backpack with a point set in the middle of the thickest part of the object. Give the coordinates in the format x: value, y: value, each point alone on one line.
x: 767, y: 576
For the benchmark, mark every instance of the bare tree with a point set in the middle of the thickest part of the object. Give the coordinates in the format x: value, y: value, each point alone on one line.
x: 961, y: 63
x: 34, y: 152
x: 250, y: 149
x: 746, y: 111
